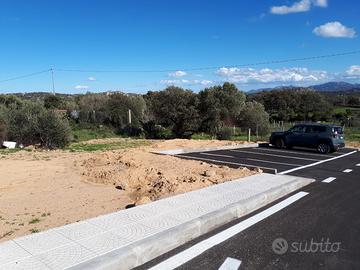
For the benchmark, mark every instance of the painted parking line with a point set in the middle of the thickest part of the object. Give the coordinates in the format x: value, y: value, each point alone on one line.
x: 274, y: 155
x: 274, y: 162
x: 227, y: 162
x: 216, y: 155
x: 293, y: 152
x: 347, y: 170
x: 230, y: 264
x: 317, y: 163
x: 328, y: 180
x: 199, y: 248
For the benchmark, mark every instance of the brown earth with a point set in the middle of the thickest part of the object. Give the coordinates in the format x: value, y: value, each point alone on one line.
x: 353, y: 144
x: 41, y: 190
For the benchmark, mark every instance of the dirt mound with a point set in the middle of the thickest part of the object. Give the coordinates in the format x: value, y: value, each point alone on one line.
x: 153, y: 176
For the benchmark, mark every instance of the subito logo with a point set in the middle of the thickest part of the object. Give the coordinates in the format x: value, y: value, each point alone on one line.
x: 280, y: 246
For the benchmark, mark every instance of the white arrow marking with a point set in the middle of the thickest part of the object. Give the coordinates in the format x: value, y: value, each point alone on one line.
x: 230, y: 264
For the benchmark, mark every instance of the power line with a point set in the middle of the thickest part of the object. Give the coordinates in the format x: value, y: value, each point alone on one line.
x: 25, y: 76
x: 281, y: 61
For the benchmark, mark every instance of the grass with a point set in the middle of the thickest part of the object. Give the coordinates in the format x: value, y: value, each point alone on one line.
x: 91, y: 133
x: 121, y: 144
x: 34, y: 230
x: 344, y: 109
x: 34, y: 221
x: 352, y: 134
x: 5, y: 151
x: 237, y: 137
x: 201, y: 136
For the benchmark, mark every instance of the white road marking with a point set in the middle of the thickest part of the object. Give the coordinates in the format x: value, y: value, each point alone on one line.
x: 199, y: 248
x: 347, y: 170
x: 226, y: 162
x: 274, y: 162
x: 230, y: 264
x: 289, y: 151
x: 328, y: 180
x: 273, y: 155
x: 216, y: 155
x: 317, y: 163
x: 358, y: 164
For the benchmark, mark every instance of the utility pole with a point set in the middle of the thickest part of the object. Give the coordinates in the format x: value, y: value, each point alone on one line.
x: 52, y: 79
x: 129, y: 117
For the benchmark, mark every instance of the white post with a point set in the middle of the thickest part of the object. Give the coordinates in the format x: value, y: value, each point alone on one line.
x: 129, y: 117
x: 249, y: 135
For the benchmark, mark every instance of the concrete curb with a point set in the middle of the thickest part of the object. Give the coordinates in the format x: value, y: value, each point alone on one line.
x: 184, y: 151
x: 151, y: 247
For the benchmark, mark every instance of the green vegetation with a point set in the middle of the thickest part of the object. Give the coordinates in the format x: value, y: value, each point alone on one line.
x: 81, y: 134
x: 122, y: 144
x: 68, y: 121
x: 34, y: 221
x: 352, y: 134
x: 34, y: 230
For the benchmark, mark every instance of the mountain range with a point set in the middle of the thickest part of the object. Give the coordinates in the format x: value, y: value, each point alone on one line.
x: 325, y: 87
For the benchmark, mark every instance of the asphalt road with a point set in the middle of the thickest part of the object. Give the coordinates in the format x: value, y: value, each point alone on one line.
x: 326, y: 219
x: 267, y: 158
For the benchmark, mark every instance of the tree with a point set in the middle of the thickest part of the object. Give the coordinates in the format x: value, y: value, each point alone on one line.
x: 54, y: 131
x: 294, y: 104
x: 53, y: 102
x: 117, y: 111
x: 254, y: 116
x: 33, y: 124
x: 219, y: 106
x: 92, y: 108
x: 174, y: 108
x: 3, y: 124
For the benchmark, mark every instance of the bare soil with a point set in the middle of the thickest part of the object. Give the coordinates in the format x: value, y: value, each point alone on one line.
x: 42, y: 190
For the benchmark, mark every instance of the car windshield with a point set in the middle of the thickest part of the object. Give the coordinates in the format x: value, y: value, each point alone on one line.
x: 337, y: 130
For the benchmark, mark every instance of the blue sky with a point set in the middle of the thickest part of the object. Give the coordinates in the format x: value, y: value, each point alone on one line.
x: 175, y: 36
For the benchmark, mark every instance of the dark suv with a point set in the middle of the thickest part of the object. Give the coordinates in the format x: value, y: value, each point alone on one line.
x: 324, y: 138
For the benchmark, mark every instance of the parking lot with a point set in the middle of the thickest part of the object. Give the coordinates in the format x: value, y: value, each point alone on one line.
x: 269, y: 159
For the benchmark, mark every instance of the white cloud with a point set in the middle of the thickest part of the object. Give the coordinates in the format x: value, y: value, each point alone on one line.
x: 353, y: 71
x: 91, y: 79
x: 301, y: 6
x: 267, y: 75
x: 334, y: 30
x: 187, y: 82
x: 177, y: 74
x: 296, y: 7
x: 81, y: 87
x: 320, y: 3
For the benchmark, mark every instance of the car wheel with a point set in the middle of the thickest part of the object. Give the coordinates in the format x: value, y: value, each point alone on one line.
x: 279, y: 143
x: 323, y: 148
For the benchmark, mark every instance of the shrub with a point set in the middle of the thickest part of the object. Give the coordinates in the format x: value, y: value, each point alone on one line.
x: 32, y: 124
x: 3, y: 125
x: 54, y: 131
x: 224, y: 134
x: 3, y: 131
x: 154, y: 131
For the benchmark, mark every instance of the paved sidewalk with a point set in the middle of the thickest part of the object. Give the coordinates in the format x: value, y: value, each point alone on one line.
x: 139, y: 234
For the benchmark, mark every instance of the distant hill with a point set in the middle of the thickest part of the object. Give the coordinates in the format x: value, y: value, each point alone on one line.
x: 325, y: 87
x: 335, y: 86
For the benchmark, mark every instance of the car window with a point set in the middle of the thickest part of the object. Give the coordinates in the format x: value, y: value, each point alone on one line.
x: 298, y: 129
x: 315, y: 129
